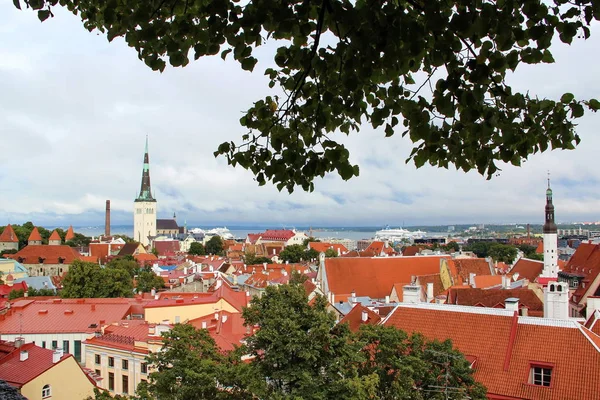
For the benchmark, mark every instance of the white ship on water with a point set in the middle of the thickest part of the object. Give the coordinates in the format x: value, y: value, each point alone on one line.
x: 398, y: 234
x: 223, y: 232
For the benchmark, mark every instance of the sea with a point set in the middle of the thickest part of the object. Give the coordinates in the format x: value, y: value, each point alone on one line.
x: 238, y: 232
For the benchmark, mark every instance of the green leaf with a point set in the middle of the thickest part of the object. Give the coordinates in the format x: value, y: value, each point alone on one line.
x: 594, y: 104
x: 567, y: 98
x: 249, y: 63
x: 17, y: 3
x: 224, y: 53
x: 389, y: 131
x: 43, y: 15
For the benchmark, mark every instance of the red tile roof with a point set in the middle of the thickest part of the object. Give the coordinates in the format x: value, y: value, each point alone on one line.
x: 5, y: 289
x: 50, y: 254
x: 35, y: 235
x: 62, y: 315
x: 503, y: 365
x: 16, y: 372
x: 374, y: 277
x: 55, y: 236
x: 277, y: 235
x: 379, y: 248
x: 228, y: 330
x: 354, y: 317
x: 466, y: 266
x: 322, y: 247
x: 123, y: 335
x: 70, y: 234
x: 540, y: 248
x: 496, y: 298
x: 8, y: 235
x: 166, y: 246
x: 410, y: 251
x: 528, y: 269
x: 486, y: 281
x: 585, y: 262
x: 423, y: 280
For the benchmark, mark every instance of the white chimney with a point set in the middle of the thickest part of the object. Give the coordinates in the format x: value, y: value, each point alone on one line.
x: 203, y: 324
x: 185, y: 270
x: 429, y: 292
x: 556, y: 300
x: 265, y: 266
x: 505, y: 282
x: 472, y: 279
x: 353, y: 297
x: 23, y: 355
x: 153, y: 292
x: 512, y: 304
x: 224, y: 319
x: 411, y: 294
x: 364, y: 316
x: 20, y: 341
x: 387, y: 299
x: 593, y: 304
x: 57, y: 355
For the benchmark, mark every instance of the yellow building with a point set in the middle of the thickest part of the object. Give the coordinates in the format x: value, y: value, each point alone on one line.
x: 40, y: 373
x: 12, y: 267
x: 118, y: 355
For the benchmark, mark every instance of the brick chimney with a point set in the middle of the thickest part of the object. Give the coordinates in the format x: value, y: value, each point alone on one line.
x: 107, y: 219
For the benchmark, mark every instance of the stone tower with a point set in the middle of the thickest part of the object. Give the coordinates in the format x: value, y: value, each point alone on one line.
x: 144, y: 207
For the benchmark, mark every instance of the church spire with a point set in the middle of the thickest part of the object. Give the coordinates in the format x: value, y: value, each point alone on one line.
x: 549, y: 225
x: 145, y: 190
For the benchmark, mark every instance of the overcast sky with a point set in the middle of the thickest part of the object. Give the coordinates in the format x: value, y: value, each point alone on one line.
x: 75, y: 110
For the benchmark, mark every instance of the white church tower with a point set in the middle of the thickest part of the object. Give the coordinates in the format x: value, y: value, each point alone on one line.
x: 550, y: 240
x: 144, y: 207
x: 556, y: 294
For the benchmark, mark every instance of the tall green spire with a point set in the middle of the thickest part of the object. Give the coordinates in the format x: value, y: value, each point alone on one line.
x: 146, y: 190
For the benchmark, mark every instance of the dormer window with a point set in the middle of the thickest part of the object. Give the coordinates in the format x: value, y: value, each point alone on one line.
x: 41, y: 260
x: 540, y: 375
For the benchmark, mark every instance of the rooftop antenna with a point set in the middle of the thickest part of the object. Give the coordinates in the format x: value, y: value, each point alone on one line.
x: 449, y: 392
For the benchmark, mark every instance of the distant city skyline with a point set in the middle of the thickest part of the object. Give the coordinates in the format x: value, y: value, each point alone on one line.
x: 75, y: 112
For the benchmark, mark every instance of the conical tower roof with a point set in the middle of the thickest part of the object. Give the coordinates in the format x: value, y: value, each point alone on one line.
x: 35, y: 235
x: 54, y: 236
x: 70, y: 234
x: 9, y: 235
x: 146, y: 189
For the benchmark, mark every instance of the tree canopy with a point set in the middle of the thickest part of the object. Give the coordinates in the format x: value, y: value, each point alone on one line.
x: 214, y: 245
x: 304, y: 354
x: 433, y: 71
x: 197, y: 249
x: 86, y: 279
x: 296, y: 252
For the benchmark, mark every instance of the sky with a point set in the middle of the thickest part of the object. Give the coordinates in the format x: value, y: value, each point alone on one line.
x: 75, y: 111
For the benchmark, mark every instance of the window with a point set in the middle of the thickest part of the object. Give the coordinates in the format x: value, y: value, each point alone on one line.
x: 111, y: 361
x: 144, y: 368
x: 46, y: 391
x: 66, y: 346
x: 125, y: 384
x: 98, y: 372
x: 125, y: 364
x: 54, y: 344
x: 540, y: 375
x: 97, y: 359
x: 111, y: 381
x: 44, y: 344
x: 77, y: 350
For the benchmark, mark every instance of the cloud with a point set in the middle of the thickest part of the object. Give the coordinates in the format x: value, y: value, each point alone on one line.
x: 75, y: 111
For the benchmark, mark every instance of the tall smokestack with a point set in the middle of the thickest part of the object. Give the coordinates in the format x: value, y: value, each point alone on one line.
x: 107, y: 220
x: 528, y: 231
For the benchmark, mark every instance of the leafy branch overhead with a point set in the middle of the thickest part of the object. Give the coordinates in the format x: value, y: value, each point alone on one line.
x: 433, y: 71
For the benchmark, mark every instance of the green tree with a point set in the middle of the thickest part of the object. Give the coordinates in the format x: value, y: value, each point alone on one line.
x: 40, y: 292
x: 331, y: 253
x: 293, y: 253
x: 148, y: 280
x: 16, y: 294
x: 126, y: 238
x: 306, y: 241
x: 535, y: 256
x: 125, y: 263
x: 197, y: 249
x: 433, y: 71
x: 190, y: 367
x: 251, y: 259
x: 303, y: 353
x: 502, y: 253
x: 79, y: 240
x: 86, y: 279
x: 410, y: 367
x: 481, y: 249
x: 214, y: 245
x: 451, y: 246
x: 527, y: 249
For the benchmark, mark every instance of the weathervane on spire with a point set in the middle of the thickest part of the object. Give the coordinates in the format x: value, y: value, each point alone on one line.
x: 548, y: 179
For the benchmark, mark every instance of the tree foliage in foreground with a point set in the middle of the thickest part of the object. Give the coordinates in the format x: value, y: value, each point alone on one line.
x: 434, y: 71
x: 300, y: 353
x: 86, y: 279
